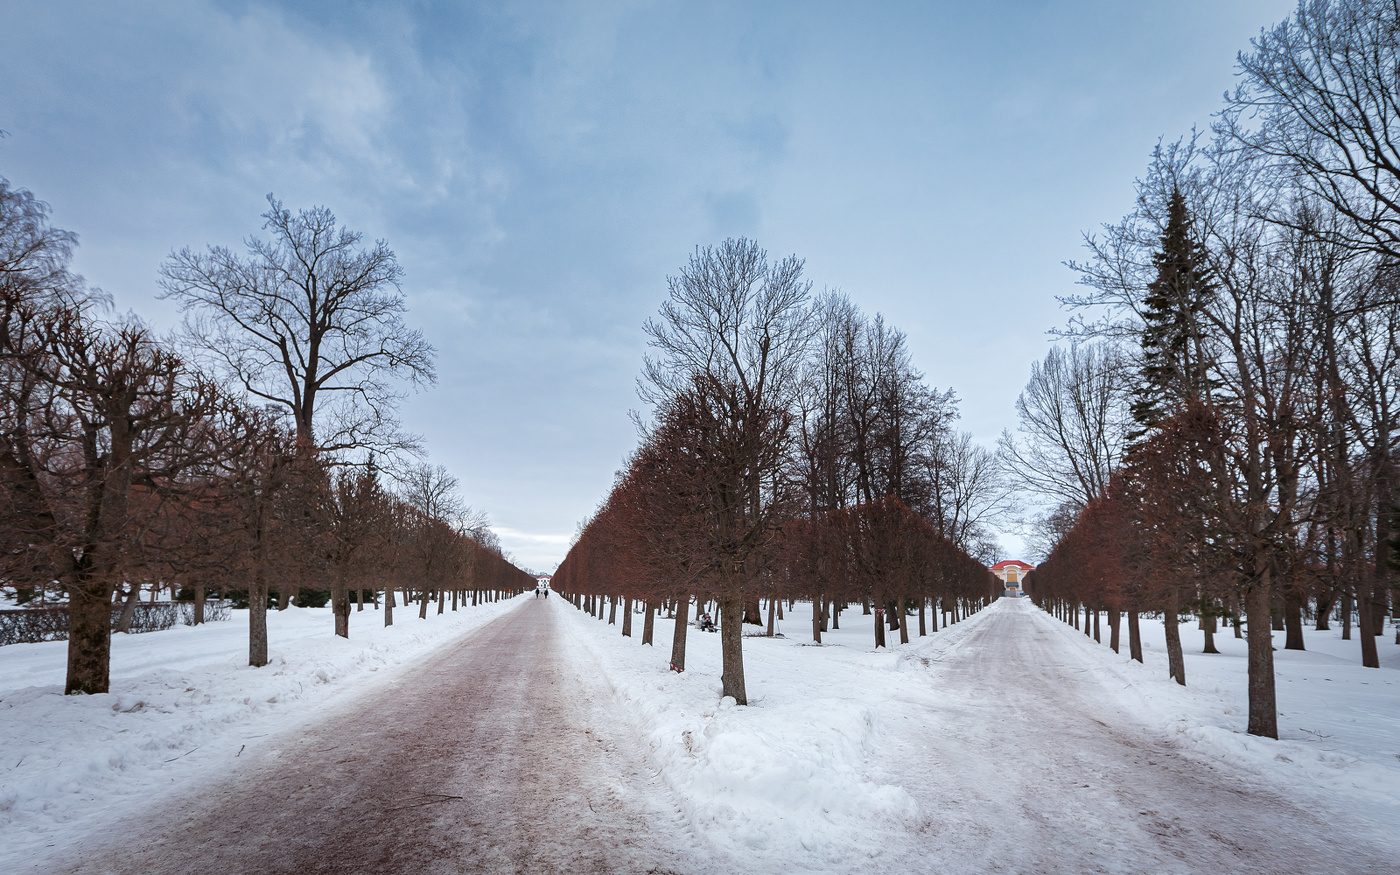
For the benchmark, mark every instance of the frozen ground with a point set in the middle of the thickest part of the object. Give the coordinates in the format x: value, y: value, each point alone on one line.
x: 1009, y: 742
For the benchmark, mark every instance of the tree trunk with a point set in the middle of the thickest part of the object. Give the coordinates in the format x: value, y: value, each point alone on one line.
x: 648, y: 623
x: 772, y: 614
x: 423, y: 603
x: 1176, y: 662
x: 198, y: 604
x: 626, y: 618
x: 1346, y: 615
x: 753, y: 612
x: 1293, y: 618
x: 89, y: 638
x: 1114, y: 621
x: 903, y: 622
x: 133, y: 598
x: 1324, y: 611
x: 1263, y: 706
x: 388, y: 606
x: 612, y: 610
x: 1134, y: 637
x: 678, y: 635
x: 1208, y: 631
x: 923, y: 624
x: 818, y: 618
x: 441, y: 600
x: 257, y: 620
x: 1366, y: 622
x: 731, y: 636
x: 340, y: 606
x: 1097, y: 640
x: 286, y: 595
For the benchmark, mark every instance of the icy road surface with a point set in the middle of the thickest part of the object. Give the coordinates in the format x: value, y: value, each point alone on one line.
x: 494, y: 757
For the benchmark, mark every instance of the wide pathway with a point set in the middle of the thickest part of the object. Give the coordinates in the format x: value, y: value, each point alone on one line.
x: 1029, y: 762
x: 494, y: 757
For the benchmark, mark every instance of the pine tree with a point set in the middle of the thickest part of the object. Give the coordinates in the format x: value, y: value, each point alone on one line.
x: 1173, y: 358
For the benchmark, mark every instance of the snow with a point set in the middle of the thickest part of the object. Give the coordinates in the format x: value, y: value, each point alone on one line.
x: 847, y: 756
x: 1339, y: 723
x: 1007, y: 742
x: 181, y: 702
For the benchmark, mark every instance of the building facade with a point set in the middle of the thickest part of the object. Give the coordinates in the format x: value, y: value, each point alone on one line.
x: 1012, y: 573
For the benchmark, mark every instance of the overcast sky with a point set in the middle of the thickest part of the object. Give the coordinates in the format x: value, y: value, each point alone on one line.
x: 540, y: 168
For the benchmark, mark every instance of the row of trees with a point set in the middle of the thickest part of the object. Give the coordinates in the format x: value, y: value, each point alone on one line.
x: 794, y: 452
x: 239, y: 454
x: 1232, y: 404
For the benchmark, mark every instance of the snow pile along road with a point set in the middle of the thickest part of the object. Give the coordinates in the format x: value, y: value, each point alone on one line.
x: 183, y: 703
x: 1008, y: 742
x: 799, y: 778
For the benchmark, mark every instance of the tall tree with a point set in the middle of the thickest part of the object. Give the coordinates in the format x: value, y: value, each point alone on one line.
x: 729, y: 344
x: 307, y: 313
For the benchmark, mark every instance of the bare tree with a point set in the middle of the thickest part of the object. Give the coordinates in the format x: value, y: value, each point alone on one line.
x: 306, y: 314
x: 1072, y: 423
x: 729, y: 345
x: 1318, y: 94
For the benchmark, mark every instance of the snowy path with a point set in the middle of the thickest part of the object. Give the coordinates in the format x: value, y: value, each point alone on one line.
x: 494, y: 757
x: 1030, y: 763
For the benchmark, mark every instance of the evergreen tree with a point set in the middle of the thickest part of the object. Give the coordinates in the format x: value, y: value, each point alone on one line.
x: 1173, y: 356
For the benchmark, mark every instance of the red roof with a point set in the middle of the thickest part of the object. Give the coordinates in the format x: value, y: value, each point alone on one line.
x: 1008, y: 563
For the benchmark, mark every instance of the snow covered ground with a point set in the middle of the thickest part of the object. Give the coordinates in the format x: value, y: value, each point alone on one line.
x: 1007, y: 742
x: 1085, y: 761
x: 182, y: 702
x: 1339, y: 723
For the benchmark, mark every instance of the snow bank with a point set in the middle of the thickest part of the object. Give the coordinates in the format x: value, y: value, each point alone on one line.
x: 802, y: 773
x: 183, y: 703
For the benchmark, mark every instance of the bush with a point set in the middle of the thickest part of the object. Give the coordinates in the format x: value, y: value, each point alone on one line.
x: 29, y: 625
x: 314, y: 598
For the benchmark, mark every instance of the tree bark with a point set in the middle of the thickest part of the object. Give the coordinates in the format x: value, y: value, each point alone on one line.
x: 198, y: 604
x: 627, y: 619
x: 1366, y: 622
x: 731, y: 635
x: 1114, y: 621
x: 340, y: 606
x: 388, y: 606
x: 678, y: 636
x: 133, y: 598
x: 1134, y: 637
x: 1208, y: 631
x: 257, y: 620
x: 1293, y: 618
x: 612, y: 610
x: 1263, y: 706
x: 1176, y: 661
x: 648, y: 623
x: 89, y: 637
x: 772, y: 614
